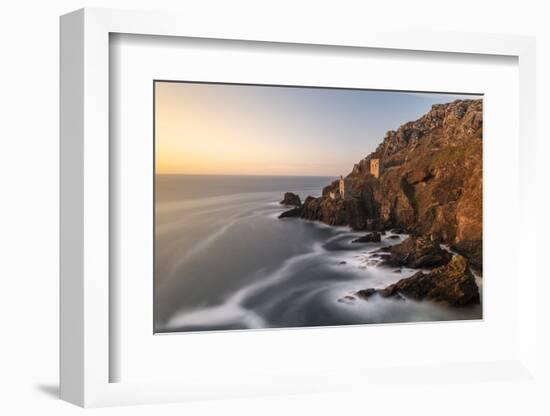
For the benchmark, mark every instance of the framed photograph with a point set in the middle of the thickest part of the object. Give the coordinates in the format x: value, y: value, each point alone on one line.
x: 246, y: 212
x: 256, y: 227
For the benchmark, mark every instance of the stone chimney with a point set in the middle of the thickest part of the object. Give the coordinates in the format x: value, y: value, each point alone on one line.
x: 342, y: 187
x: 375, y: 167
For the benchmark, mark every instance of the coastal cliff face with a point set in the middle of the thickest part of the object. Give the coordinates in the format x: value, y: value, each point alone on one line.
x: 430, y: 182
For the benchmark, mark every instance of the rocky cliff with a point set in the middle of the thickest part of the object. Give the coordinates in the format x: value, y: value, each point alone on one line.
x: 430, y: 182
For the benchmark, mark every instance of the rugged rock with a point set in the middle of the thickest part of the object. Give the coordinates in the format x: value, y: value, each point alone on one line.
x: 366, y: 293
x: 359, y: 213
x: 430, y: 182
x: 415, y: 252
x: 292, y: 213
x: 453, y: 284
x: 291, y: 199
x: 373, y: 237
x: 347, y: 299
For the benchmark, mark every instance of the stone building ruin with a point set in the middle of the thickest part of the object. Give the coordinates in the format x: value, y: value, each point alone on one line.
x: 374, y: 167
x: 374, y: 170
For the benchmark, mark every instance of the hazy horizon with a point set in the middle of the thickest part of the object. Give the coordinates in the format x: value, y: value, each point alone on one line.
x: 239, y: 174
x: 250, y: 130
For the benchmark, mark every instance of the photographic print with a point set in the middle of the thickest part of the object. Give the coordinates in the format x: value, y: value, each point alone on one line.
x: 292, y: 206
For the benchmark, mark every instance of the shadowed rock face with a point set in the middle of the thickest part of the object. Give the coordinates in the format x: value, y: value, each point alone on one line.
x: 373, y: 237
x: 416, y: 253
x: 453, y: 284
x: 291, y: 199
x: 292, y: 213
x: 430, y: 182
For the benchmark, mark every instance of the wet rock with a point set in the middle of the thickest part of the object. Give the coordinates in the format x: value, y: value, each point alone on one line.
x: 379, y: 254
x: 373, y: 237
x: 453, y: 284
x: 291, y: 199
x: 366, y: 293
x: 347, y: 299
x: 416, y: 253
x: 393, y: 237
x: 291, y: 213
x: 342, y: 262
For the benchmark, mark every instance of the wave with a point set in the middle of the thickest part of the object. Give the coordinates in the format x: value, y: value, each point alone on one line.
x: 232, y: 310
x: 289, y: 285
x: 302, y: 271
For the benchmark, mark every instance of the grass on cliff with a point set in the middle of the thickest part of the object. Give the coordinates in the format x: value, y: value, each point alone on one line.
x: 450, y: 155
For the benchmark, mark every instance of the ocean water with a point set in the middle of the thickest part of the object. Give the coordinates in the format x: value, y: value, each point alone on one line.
x: 224, y: 260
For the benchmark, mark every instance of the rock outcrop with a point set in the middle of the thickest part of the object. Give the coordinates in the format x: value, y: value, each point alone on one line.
x: 430, y: 182
x: 373, y: 237
x: 453, y: 284
x: 416, y: 253
x: 292, y: 213
x: 291, y: 199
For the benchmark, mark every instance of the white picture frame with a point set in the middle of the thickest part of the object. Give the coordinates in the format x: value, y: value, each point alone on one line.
x: 85, y: 214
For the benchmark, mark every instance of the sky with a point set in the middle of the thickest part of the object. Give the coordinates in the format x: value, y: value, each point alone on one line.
x: 230, y: 129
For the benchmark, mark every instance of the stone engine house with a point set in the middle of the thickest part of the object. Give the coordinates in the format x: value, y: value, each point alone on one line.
x: 374, y: 167
x: 341, y: 190
x: 342, y: 187
x: 374, y: 170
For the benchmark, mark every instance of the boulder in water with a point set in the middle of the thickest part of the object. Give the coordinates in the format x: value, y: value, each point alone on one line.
x: 417, y: 253
x: 453, y: 284
x: 291, y: 199
x: 373, y: 237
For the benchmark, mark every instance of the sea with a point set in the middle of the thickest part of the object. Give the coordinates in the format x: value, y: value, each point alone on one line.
x: 225, y: 261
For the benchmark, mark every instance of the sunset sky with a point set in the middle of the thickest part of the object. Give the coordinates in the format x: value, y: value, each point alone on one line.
x: 226, y: 129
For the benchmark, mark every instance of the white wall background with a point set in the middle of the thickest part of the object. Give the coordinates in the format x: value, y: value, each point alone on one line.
x: 29, y: 203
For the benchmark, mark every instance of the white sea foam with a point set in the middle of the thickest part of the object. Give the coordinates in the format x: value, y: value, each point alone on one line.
x: 225, y: 314
x: 215, y: 247
x: 232, y: 311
